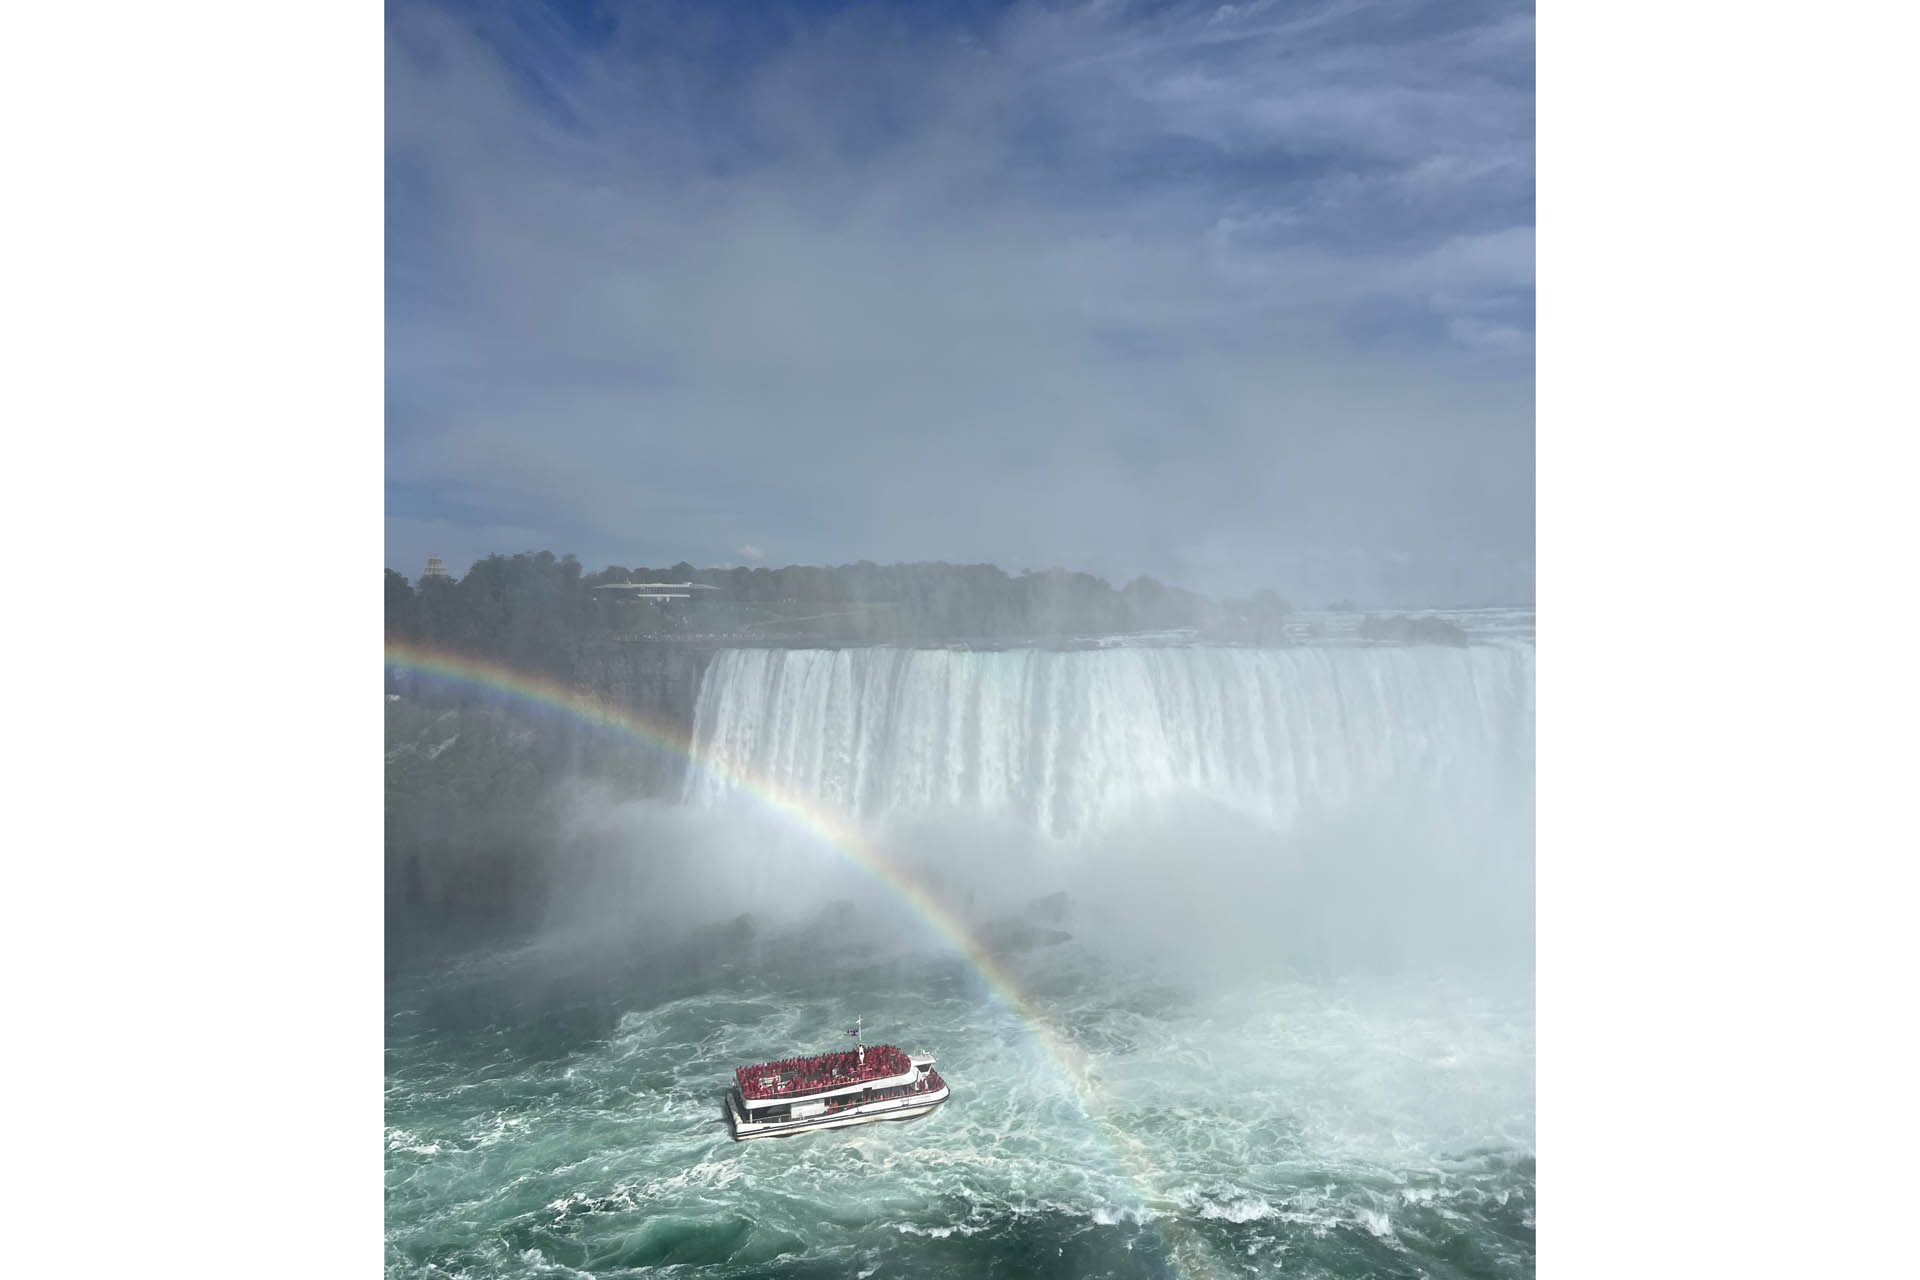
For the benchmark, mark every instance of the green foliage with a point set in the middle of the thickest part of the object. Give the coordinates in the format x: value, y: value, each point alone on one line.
x: 1406, y: 629
x: 534, y: 610
x: 526, y: 609
x: 1267, y: 606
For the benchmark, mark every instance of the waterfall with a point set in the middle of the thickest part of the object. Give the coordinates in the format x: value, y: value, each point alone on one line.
x: 1075, y: 742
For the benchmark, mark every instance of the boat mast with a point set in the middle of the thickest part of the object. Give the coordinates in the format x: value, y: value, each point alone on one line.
x: 859, y: 1049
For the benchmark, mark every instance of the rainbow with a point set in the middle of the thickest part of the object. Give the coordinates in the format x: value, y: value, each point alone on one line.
x: 544, y: 693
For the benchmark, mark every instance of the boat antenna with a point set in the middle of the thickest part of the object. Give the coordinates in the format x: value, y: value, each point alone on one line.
x: 859, y: 1050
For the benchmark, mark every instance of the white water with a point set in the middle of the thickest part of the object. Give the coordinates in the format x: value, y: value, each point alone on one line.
x: 1078, y: 743
x: 1270, y: 1124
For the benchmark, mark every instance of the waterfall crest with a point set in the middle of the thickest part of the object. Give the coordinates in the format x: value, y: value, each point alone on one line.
x: 1074, y: 742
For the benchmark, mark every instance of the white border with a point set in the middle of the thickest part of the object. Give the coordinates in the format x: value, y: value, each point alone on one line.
x: 193, y: 497
x: 1726, y: 584
x: 1726, y: 486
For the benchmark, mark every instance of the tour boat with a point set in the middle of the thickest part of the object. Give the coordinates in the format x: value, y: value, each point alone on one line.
x: 833, y: 1091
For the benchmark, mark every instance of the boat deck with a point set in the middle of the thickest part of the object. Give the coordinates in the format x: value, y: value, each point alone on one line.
x: 796, y: 1077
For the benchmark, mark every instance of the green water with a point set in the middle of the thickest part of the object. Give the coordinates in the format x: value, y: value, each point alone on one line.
x: 554, y: 1110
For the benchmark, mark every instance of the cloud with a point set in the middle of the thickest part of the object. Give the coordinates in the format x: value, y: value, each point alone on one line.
x: 752, y: 552
x: 1208, y: 292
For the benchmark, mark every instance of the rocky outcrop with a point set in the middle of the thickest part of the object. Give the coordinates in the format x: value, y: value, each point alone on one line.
x: 659, y: 680
x: 475, y: 781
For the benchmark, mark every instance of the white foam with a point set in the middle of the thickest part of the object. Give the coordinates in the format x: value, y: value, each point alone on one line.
x: 501, y: 1125
x: 1246, y: 1209
x: 961, y: 1229
x: 542, y: 1266
x: 1377, y: 1222
x: 401, y: 1140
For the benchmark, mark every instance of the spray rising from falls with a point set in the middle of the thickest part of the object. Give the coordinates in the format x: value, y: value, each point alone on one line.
x: 1075, y: 743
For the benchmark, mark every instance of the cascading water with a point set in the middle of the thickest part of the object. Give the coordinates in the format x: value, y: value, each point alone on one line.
x: 1075, y: 742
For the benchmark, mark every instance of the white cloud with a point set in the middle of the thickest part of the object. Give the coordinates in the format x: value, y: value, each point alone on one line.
x: 900, y: 298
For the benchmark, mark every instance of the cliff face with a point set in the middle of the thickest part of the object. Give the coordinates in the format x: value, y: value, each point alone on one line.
x: 658, y: 680
x: 475, y: 783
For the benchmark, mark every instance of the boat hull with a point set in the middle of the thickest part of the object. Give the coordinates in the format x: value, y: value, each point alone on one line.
x: 906, y: 1108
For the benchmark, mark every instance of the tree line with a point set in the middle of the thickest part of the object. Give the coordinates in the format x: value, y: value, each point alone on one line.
x: 537, y: 608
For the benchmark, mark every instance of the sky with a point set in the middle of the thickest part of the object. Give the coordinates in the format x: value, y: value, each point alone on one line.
x: 1234, y: 295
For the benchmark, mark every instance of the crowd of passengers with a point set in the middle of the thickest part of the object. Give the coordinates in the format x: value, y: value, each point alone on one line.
x: 803, y: 1075
x: 841, y: 1104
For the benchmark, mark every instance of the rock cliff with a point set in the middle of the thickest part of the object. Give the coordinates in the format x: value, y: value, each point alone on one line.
x: 477, y: 782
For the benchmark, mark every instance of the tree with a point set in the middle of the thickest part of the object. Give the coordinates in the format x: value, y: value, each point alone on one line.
x: 400, y: 610
x: 1267, y: 606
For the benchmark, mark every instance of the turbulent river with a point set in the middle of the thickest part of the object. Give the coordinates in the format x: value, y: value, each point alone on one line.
x: 1264, y: 924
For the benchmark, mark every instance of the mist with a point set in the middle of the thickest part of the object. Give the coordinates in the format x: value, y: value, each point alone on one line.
x: 1380, y: 823
x: 1203, y: 890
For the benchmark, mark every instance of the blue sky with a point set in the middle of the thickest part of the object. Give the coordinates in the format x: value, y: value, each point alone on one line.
x: 1235, y: 295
